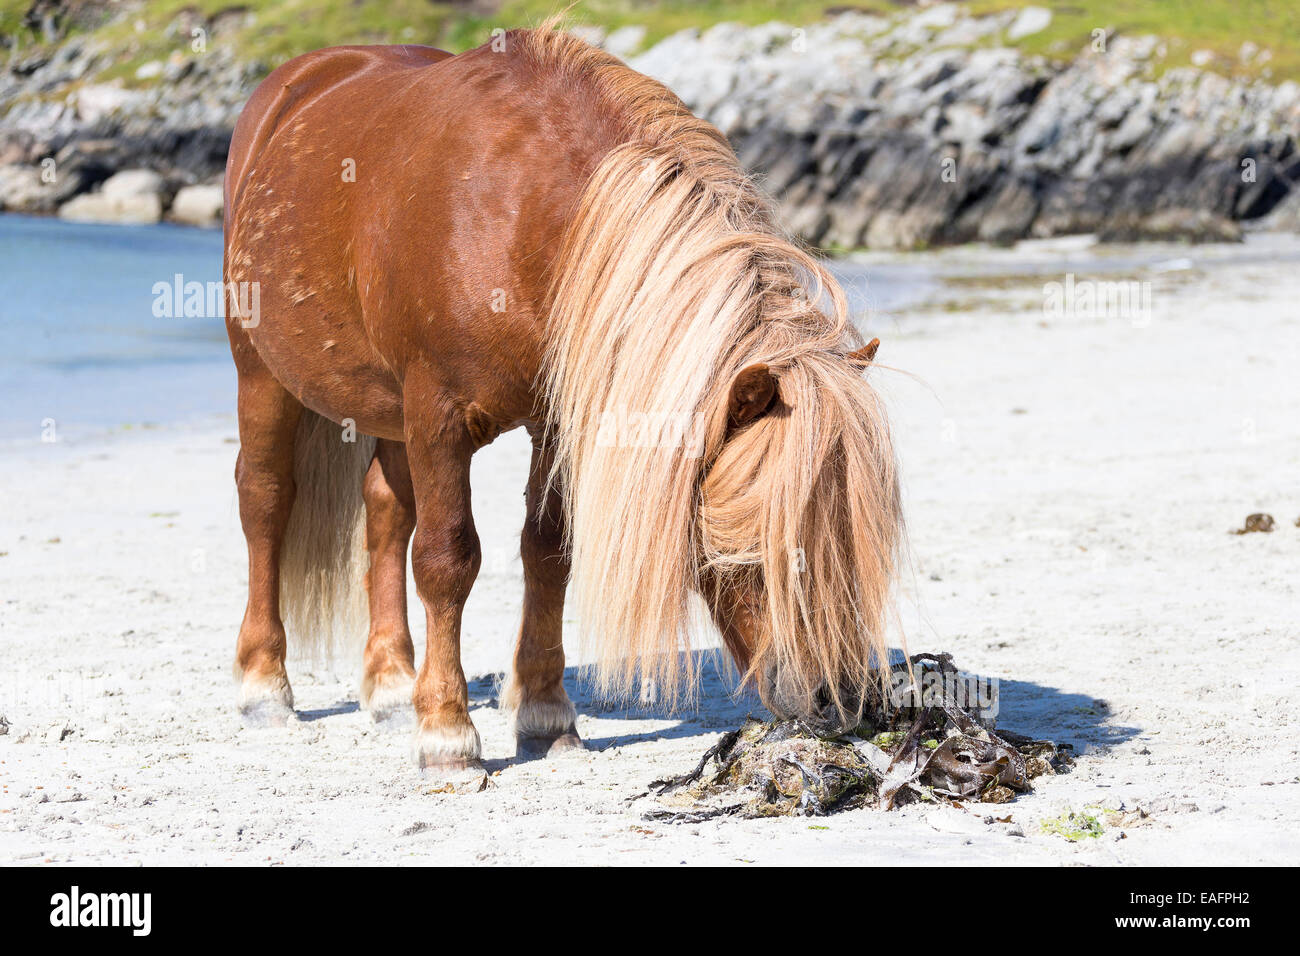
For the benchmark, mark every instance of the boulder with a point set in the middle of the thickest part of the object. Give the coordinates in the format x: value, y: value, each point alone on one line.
x: 1029, y: 21
x: 23, y: 190
x: 625, y: 41
x: 122, y: 210
x: 134, y: 197
x: 1285, y: 217
x: 198, y: 206
x: 131, y: 183
x: 96, y: 101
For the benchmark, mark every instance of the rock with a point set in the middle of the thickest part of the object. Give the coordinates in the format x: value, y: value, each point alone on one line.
x: 133, y: 182
x: 95, y: 102
x: 1171, y: 225
x: 1008, y: 216
x: 23, y: 190
x: 1285, y: 217
x: 590, y: 33
x: 1030, y: 20
x: 198, y: 206
x: 132, y: 197
x: 625, y: 41
x: 1257, y: 523
x: 935, y: 18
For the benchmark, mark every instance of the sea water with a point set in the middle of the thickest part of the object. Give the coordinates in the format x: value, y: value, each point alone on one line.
x: 82, y: 348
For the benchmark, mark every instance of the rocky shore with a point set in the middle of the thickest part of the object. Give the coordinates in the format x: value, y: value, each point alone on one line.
x: 896, y: 135
x: 78, y: 139
x: 922, y: 129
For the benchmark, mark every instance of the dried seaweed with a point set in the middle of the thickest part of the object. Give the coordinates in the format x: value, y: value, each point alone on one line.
x: 769, y: 769
x: 930, y: 750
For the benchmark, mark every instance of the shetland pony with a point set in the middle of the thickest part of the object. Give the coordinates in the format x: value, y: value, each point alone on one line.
x: 533, y: 235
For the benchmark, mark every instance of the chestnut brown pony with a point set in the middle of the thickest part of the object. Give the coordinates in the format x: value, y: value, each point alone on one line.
x: 533, y: 235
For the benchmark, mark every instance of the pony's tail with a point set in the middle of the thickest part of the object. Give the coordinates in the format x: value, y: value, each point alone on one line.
x: 323, y: 561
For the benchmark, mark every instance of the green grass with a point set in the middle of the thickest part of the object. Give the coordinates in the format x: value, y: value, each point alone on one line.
x: 285, y: 28
x: 1219, y: 26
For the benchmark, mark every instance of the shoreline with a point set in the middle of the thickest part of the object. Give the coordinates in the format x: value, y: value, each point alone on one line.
x: 187, y: 377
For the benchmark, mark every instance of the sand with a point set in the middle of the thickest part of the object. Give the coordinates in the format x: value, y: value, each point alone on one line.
x: 1071, y: 483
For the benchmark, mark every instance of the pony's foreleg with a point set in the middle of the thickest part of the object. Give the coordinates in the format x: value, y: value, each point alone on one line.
x: 389, y: 675
x: 445, y: 558
x: 542, y: 714
x: 268, y: 420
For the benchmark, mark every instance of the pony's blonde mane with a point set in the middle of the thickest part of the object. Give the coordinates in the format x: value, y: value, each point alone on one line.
x: 671, y: 279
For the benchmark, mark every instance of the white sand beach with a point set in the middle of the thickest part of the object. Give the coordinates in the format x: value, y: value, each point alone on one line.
x: 1071, y: 483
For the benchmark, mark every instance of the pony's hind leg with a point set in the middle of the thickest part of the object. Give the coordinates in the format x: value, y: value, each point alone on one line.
x: 389, y: 676
x: 268, y: 420
x: 541, y: 712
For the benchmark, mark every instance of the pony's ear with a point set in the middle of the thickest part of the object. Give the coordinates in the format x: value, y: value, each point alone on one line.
x: 752, y: 394
x: 865, y: 355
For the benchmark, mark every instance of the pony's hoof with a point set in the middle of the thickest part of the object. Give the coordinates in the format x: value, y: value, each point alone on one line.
x: 531, y: 747
x: 389, y: 705
x: 440, y: 750
x: 394, y: 718
x: 267, y: 713
x: 265, y: 700
x: 566, y: 743
x: 443, y: 767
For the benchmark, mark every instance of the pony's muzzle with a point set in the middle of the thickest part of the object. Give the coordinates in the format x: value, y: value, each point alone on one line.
x: 816, y: 707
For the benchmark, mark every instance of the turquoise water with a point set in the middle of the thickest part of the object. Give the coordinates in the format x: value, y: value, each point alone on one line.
x: 82, y: 345
x: 79, y: 340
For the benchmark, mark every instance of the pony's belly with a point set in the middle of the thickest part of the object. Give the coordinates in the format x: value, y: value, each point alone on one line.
x: 333, y: 378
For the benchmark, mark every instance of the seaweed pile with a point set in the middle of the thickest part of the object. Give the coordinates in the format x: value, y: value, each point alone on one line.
x: 931, y: 749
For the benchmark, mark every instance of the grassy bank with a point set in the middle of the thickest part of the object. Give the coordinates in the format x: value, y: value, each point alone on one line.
x: 1217, y: 27
x: 1209, y: 32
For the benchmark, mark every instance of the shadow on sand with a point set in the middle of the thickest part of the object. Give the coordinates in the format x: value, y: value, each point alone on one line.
x: 1032, y: 709
x: 1047, y: 713
x: 342, y: 707
x: 718, y: 708
x: 1026, y: 708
